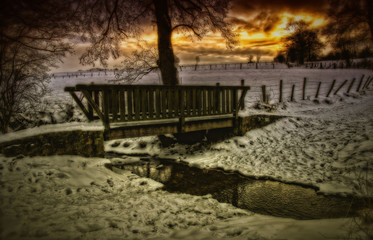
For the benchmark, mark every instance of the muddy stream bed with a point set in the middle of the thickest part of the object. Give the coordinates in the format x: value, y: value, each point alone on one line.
x: 262, y: 196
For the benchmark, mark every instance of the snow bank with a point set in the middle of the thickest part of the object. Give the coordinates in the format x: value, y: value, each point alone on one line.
x: 69, y: 197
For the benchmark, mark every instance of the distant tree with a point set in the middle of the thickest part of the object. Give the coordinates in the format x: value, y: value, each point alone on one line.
x: 350, y: 25
x: 251, y: 58
x: 366, y: 52
x: 258, y: 57
x: 106, y: 23
x: 32, y: 39
x: 197, y: 61
x: 280, y: 58
x: 302, y: 43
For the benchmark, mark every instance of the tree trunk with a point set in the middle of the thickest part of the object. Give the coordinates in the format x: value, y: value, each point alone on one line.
x: 165, y: 51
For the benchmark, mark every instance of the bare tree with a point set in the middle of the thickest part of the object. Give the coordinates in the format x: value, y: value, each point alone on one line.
x: 31, y: 40
x: 105, y: 23
x: 138, y: 64
x: 258, y: 57
x: 302, y: 43
x: 350, y: 26
x: 251, y: 58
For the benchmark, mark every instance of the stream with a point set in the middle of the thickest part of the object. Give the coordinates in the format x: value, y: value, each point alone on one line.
x: 262, y: 196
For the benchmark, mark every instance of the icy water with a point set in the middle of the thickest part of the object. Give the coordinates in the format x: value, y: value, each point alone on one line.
x: 262, y: 196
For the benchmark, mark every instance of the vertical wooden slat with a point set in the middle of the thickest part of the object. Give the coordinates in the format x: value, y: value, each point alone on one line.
x: 105, y: 108
x: 122, y: 105
x: 90, y: 109
x: 210, y: 102
x: 194, y: 98
x: 170, y: 102
x: 229, y: 100
x: 152, y: 100
x: 176, y: 104
x: 217, y: 98
x: 223, y: 101
x: 130, y: 104
x: 157, y: 103
x: 198, y: 102
x: 137, y: 103
x: 164, y: 97
x: 143, y: 109
x: 114, y: 105
x: 235, y: 103
x: 204, y: 99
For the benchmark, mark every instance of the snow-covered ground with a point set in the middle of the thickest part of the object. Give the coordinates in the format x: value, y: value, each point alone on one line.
x: 70, y: 197
x: 327, y: 144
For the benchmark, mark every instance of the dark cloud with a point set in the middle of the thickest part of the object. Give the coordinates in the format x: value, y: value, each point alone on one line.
x: 263, y: 21
x: 246, y: 7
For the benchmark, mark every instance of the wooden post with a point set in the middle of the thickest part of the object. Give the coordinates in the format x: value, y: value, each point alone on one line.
x: 366, y: 83
x: 264, y: 93
x: 243, y: 84
x: 331, y: 88
x: 361, y: 81
x: 280, y: 91
x: 304, y: 88
x: 351, y: 84
x: 336, y: 91
x: 318, y: 90
x: 240, y: 65
x: 292, y: 93
x: 370, y: 80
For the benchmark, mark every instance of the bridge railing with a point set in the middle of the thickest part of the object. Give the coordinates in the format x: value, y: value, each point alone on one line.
x: 125, y: 103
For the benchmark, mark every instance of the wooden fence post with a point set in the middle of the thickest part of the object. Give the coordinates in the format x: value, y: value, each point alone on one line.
x: 336, y: 91
x: 331, y: 88
x: 351, y: 84
x: 361, y: 81
x: 366, y: 83
x: 280, y: 98
x: 318, y: 90
x: 243, y: 84
x: 304, y: 88
x: 292, y: 93
x: 264, y: 93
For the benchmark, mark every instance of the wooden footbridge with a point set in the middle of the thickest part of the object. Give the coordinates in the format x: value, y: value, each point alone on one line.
x: 141, y: 110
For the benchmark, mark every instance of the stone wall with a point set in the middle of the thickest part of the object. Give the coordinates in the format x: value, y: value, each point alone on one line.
x: 77, y: 142
x: 248, y: 123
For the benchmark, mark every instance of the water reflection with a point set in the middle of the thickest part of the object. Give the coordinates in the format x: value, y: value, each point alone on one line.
x: 261, y: 196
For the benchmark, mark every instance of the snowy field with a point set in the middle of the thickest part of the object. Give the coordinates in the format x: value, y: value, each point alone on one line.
x: 327, y: 144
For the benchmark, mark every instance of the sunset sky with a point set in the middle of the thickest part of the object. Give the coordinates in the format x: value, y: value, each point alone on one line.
x: 259, y: 25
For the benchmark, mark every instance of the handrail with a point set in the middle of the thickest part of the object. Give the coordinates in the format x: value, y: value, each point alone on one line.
x: 124, y: 103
